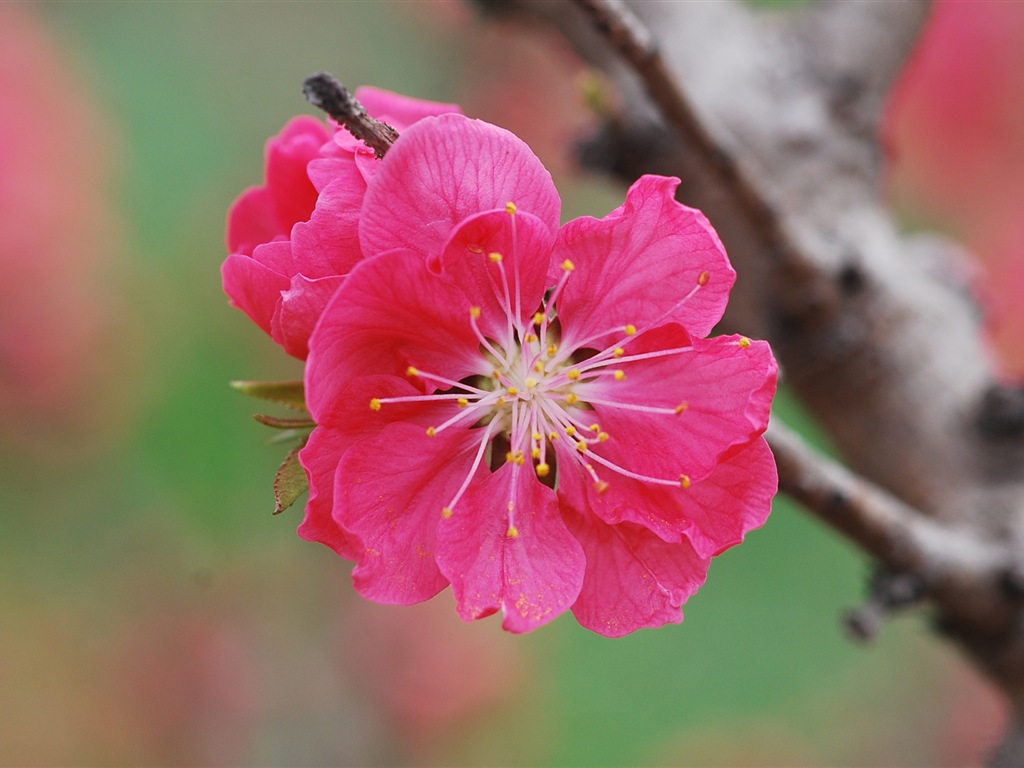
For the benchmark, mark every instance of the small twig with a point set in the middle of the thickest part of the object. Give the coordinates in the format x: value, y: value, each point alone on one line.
x: 891, y: 591
x: 896, y: 534
x: 323, y: 91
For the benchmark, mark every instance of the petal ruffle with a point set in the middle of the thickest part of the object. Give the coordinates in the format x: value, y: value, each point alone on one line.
x: 298, y: 311
x: 392, y: 312
x: 320, y: 458
x: 252, y: 220
x: 650, y: 262
x: 506, y: 548
x: 288, y: 182
x: 443, y: 170
x: 328, y: 244
x: 253, y: 288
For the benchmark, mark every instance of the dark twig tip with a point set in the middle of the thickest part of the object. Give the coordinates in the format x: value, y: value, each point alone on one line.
x: 323, y: 91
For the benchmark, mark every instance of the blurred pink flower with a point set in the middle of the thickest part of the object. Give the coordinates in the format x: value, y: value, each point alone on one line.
x: 955, y: 127
x: 57, y: 233
x: 477, y: 337
x: 294, y: 239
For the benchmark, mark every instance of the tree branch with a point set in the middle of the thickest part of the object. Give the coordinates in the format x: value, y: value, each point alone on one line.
x: 324, y: 92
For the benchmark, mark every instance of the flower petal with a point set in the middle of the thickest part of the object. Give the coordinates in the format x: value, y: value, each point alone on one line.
x: 320, y: 458
x: 713, y: 514
x: 649, y: 262
x: 391, y: 312
x: 523, y: 243
x: 253, y: 288
x: 252, y: 220
x: 721, y: 390
x: 522, y: 561
x: 328, y: 244
x: 444, y: 169
x: 298, y: 311
x: 401, y: 111
x: 633, y: 579
x: 288, y: 182
x: 391, y: 489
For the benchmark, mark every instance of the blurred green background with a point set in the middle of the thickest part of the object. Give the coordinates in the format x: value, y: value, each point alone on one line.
x: 152, y: 611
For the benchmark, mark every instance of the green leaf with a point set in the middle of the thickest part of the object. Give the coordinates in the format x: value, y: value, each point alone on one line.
x: 290, y: 393
x: 290, y: 482
x: 279, y: 423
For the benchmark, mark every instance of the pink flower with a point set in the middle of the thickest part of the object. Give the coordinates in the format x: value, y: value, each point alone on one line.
x: 528, y: 413
x: 292, y: 240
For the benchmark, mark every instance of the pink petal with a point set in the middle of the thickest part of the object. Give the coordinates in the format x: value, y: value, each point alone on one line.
x: 253, y: 288
x: 288, y: 154
x: 633, y: 579
x: 400, y: 111
x: 391, y: 312
x: 532, y: 573
x: 713, y: 514
x: 252, y: 220
x: 524, y: 242
x: 723, y: 389
x: 320, y: 458
x: 328, y: 244
x: 444, y: 169
x: 277, y: 256
x: 643, y: 264
x: 298, y: 311
x: 391, y: 489
x: 349, y: 421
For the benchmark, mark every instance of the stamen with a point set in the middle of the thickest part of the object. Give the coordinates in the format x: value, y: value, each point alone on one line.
x: 510, y: 208
x: 449, y: 508
x: 702, y: 280
x: 375, y: 404
x: 744, y: 342
x: 620, y: 375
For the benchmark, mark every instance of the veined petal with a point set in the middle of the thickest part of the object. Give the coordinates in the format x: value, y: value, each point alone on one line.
x: 319, y: 458
x: 298, y: 310
x: 253, y: 288
x: 390, y: 490
x: 713, y: 514
x: 288, y: 154
x: 444, y: 169
x: 391, y: 313
x: 649, y: 262
x: 501, y: 262
x: 328, y: 244
x: 717, y: 394
x: 633, y: 579
x: 522, y: 561
x: 253, y: 220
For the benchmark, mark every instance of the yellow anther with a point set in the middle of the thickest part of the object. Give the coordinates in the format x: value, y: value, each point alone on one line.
x: 595, y: 427
x: 537, y: 436
x: 538, y: 367
x: 474, y: 312
x: 474, y: 249
x: 375, y: 404
x: 568, y: 266
x: 538, y: 319
x: 553, y: 436
x: 463, y: 402
x: 510, y: 208
x: 446, y: 512
x: 703, y: 278
x: 581, y: 446
x: 572, y: 398
x: 535, y: 453
x: 570, y: 430
x: 603, y: 436
x: 431, y: 432
x: 529, y: 338
x: 513, y: 532
x: 573, y: 374
x: 682, y: 406
x: 496, y: 374
x: 744, y: 342
x: 552, y: 348
x: 620, y: 375
x: 531, y: 383
x: 495, y: 256
x: 502, y: 400
x: 630, y: 330
x: 412, y: 371
x: 619, y: 352
x: 684, y: 481
x: 601, y: 486
x: 513, y: 391
x: 520, y: 458
x: 543, y: 470
x: 509, y: 457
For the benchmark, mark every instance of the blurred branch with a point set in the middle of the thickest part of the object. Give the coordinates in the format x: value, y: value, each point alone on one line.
x: 324, y: 92
x: 770, y: 119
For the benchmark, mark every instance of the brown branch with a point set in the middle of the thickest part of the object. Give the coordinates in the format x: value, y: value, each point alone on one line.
x: 324, y: 92
x: 881, y: 524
